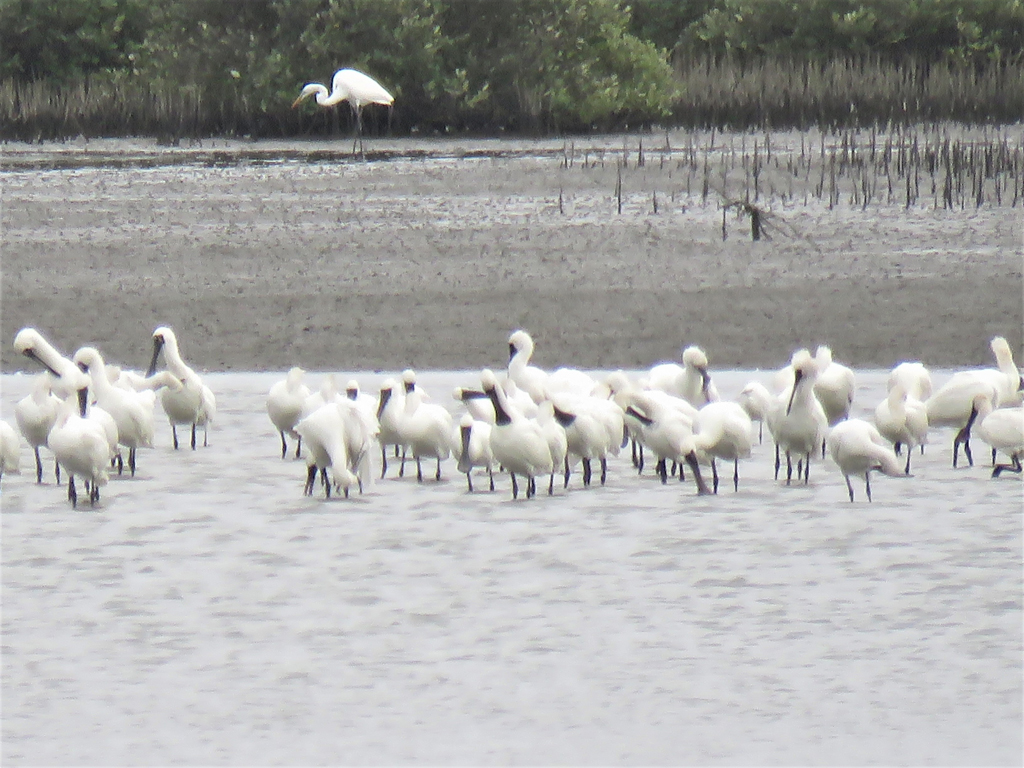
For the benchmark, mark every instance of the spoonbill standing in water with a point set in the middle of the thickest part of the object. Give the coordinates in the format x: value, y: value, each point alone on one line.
x: 194, y: 403
x: 356, y: 88
x: 857, y: 447
x: 284, y: 406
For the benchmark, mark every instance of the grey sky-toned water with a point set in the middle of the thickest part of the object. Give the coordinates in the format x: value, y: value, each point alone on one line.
x: 207, y: 613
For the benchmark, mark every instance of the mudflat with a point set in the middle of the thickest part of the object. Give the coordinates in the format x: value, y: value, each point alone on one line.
x: 427, y: 254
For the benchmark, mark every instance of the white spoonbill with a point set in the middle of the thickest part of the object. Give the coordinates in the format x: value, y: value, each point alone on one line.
x: 798, y: 422
x: 953, y: 404
x: 1003, y: 429
x: 723, y: 430
x: 858, y: 448
x: 194, y: 403
x: 594, y: 431
x: 35, y: 414
x: 536, y: 382
x: 477, y: 403
x: 353, y: 86
x: 132, y: 413
x: 518, y: 443
x: 323, y: 431
x: 80, y: 444
x: 757, y: 401
x: 475, y: 440
x: 915, y: 378
x: 668, y: 432
x: 425, y: 427
x: 902, y: 420
x: 67, y: 381
x: 390, y: 407
x: 284, y: 407
x: 10, y: 450
x: 690, y: 381
x: 366, y: 404
x: 834, y: 386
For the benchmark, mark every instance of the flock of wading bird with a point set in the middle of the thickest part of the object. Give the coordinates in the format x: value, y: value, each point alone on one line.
x: 528, y: 422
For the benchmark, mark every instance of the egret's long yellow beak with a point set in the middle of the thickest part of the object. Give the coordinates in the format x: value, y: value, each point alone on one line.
x: 296, y: 102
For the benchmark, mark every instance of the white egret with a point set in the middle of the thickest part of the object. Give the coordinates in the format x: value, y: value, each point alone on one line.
x: 356, y: 88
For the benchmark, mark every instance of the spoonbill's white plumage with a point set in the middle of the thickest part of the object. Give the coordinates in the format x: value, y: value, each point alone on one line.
x: 68, y: 381
x: 536, y: 382
x: 323, y: 431
x: 1003, y: 430
x: 915, y: 379
x: 194, y: 404
x: 1011, y: 385
x: 667, y: 431
x: 757, y: 401
x: 517, y: 442
x: 390, y: 407
x: 35, y: 414
x: 365, y: 404
x: 474, y: 440
x: 902, y: 420
x: 132, y: 413
x: 952, y: 405
x: 834, y: 386
x: 426, y: 428
x: 476, y: 402
x: 798, y: 422
x: 10, y: 450
x: 30, y: 343
x: 353, y: 86
x: 594, y: 431
x: 80, y: 444
x: 690, y: 381
x: 284, y: 407
x: 723, y: 430
x: 858, y: 448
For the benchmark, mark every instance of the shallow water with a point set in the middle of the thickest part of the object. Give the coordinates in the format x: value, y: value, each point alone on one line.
x: 207, y: 613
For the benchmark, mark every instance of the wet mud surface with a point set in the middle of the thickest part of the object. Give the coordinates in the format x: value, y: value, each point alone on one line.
x: 429, y: 254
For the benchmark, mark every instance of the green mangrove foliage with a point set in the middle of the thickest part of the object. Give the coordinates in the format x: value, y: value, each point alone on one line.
x: 177, y: 68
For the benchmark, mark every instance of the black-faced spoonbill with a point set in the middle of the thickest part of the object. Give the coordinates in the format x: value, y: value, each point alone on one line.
x: 284, y: 407
x: 857, y: 448
x: 194, y: 403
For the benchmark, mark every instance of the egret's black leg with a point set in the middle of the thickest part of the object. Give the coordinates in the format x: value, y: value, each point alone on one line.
x: 778, y: 461
x: 736, y: 475
x: 437, y: 476
x: 588, y: 473
x: 72, y: 493
x: 849, y: 486
x: 604, y: 469
x: 284, y: 446
x: 310, y: 480
x: 174, y: 434
x: 193, y: 436
x: 131, y: 460
x: 714, y: 476
x: 298, y: 447
x: 39, y: 466
x: 867, y: 484
x: 515, y: 485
